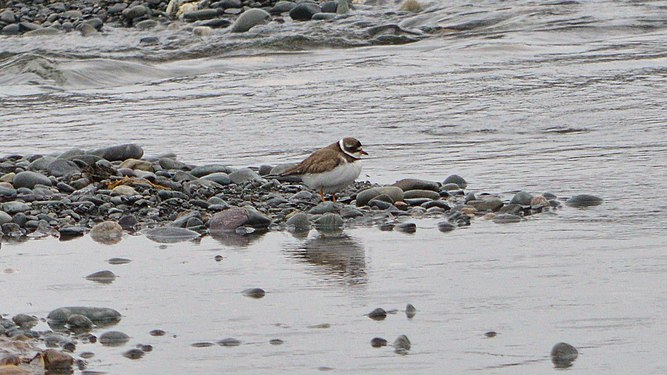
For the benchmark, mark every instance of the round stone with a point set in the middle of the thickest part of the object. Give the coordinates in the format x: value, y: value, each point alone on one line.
x: 299, y: 222
x: 29, y: 179
x: 114, y: 338
x: 563, y: 354
x: 582, y: 200
x: 121, y: 152
x: 522, y: 198
x: 378, y: 342
x: 456, y: 179
x: 107, y: 232
x: 365, y: 196
x: 254, y: 293
x: 304, y: 11
x: 378, y: 314
x: 408, y: 184
x: 250, y: 18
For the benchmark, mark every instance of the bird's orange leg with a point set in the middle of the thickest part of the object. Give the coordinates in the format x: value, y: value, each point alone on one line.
x: 333, y: 197
x: 322, y: 194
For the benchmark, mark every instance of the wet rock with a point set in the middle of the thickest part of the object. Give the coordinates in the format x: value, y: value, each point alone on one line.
x: 408, y: 184
x: 406, y: 227
x: 378, y: 342
x: 25, y: 321
x: 41, y: 163
x: 226, y: 4
x: 276, y: 342
x: 29, y: 179
x: 134, y: 353
x: 445, y: 226
x: 58, y: 362
x: 486, y: 204
x: 107, y: 232
x: 402, y: 344
x: 329, y: 222
x: 378, y: 314
x: 582, y: 200
x: 437, y: 203
x: 12, y: 230
x: 221, y: 178
x: 416, y: 193
x: 279, y: 8
x: 506, y: 219
x: 304, y: 11
x: 410, y: 311
x: 323, y: 16
x: 342, y: 6
x: 128, y: 222
x: 456, y: 179
x: 169, y: 234
x: 132, y: 13
x: 254, y: 293
x: 256, y: 219
x: 11, y: 29
x: 299, y: 223
x: 539, y: 201
x: 104, y: 277
x: 77, y: 322
x: 114, y: 338
x: 365, y: 196
x: 250, y: 18
x: 522, y: 198
x: 157, y: 332
x: 349, y: 212
x: 490, y: 334
x: 449, y: 189
x: 229, y: 342
x: 70, y: 232
x: 563, y: 355
x: 99, y: 315
x: 7, y: 16
x: 7, y: 192
x: 513, y: 209
x: 116, y: 261
x: 120, y: 152
x: 328, y: 7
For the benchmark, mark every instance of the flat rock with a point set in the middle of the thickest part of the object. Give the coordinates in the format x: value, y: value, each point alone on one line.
x: 120, y: 152
x: 169, y: 234
x: 419, y: 193
x: 582, y: 200
x: 244, y: 175
x: 29, y: 179
x: 408, y: 184
x: 203, y: 14
x: 96, y: 314
x: 228, y: 220
x: 323, y: 207
x: 486, y: 204
x: 506, y: 219
x: 210, y: 168
x: 14, y: 207
x: 365, y: 196
x: 220, y: 177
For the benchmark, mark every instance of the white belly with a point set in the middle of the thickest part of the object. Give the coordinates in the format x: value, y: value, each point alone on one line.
x: 334, y: 180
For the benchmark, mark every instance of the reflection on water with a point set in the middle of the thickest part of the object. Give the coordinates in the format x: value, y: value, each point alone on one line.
x: 231, y: 239
x: 334, y: 253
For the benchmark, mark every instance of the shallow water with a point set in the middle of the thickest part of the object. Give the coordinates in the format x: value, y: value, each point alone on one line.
x: 542, y: 96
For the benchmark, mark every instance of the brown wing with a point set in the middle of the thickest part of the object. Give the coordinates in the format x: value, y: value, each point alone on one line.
x: 322, y: 160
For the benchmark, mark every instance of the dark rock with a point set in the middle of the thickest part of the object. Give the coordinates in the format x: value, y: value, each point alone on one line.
x: 130, y: 14
x: 128, y: 222
x: 330, y: 7
x: 113, y: 338
x: 407, y: 227
x: 522, y: 198
x: 486, y: 204
x: 456, y: 179
x: 408, y: 184
x: 14, y: 207
x: 41, y: 163
x: 221, y: 178
x: 57, y: 362
x: 563, y: 355
x: 104, y: 277
x: 304, y: 11
x: 229, y: 342
x: 7, y: 16
x: 60, y: 167
x: 254, y: 293
x: 446, y: 226
x: 514, y: 209
x: 438, y: 203
x: 329, y: 222
x: 256, y: 219
x: 134, y: 353
x: 449, y: 188
x: 120, y: 152
x: 5, y: 218
x: 203, y: 14
x: 417, y: 193
x: 380, y: 204
x: 228, y: 220
x: 378, y: 342
x: 323, y: 16
x: 224, y: 4
x: 378, y: 314
x: 349, y: 212
x: 25, y: 321
x: 12, y: 230
x: 11, y: 29
x: 149, y: 40
x: 490, y: 334
x: 29, y: 179
x: 216, y: 23
x: 323, y: 207
x: 79, y: 322
x: 583, y: 200
x: 116, y: 8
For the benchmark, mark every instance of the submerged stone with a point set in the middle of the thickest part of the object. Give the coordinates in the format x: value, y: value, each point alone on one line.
x: 563, y: 355
x: 114, y: 338
x: 96, y: 314
x: 582, y: 200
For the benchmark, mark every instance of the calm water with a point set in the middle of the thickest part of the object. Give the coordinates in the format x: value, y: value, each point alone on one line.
x: 564, y: 97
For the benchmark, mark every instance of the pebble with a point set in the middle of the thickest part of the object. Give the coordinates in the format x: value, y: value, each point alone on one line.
x: 134, y: 354
x: 486, y: 204
x: 101, y: 315
x: 78, y: 322
x: 221, y: 178
x: 445, y: 226
x: 229, y: 342
x: 402, y: 345
x: 107, y: 232
x: 418, y: 193
x: 279, y: 8
x: 299, y: 222
x: 104, y: 277
x: 410, y: 311
x: 365, y: 196
x: 563, y: 355
x: 406, y: 227
x: 506, y: 219
x: 329, y: 222
x: 408, y: 184
x: 522, y: 198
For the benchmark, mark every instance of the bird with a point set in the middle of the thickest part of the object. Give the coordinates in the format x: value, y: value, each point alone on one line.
x: 331, y: 168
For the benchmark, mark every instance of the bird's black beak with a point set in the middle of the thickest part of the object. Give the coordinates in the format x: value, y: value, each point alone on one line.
x: 363, y: 152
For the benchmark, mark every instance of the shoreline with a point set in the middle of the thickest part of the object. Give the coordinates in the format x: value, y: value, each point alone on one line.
x: 112, y: 190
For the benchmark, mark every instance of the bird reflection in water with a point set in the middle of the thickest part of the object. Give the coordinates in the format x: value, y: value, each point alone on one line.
x: 336, y: 253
